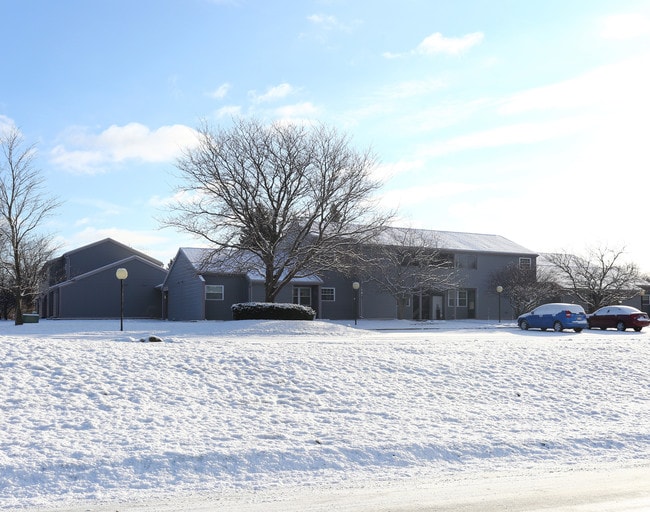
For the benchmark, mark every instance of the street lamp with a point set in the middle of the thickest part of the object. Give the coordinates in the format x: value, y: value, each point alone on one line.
x: 121, y: 274
x: 355, y: 287
x: 499, y: 292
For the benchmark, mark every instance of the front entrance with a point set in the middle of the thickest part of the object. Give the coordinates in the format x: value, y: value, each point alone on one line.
x: 421, y: 306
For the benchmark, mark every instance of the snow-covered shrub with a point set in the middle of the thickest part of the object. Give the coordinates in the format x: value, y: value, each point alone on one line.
x: 271, y: 311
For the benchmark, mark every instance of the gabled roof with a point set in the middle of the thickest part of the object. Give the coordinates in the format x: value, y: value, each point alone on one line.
x: 458, y: 241
x: 114, y: 264
x: 114, y: 242
x: 233, y: 264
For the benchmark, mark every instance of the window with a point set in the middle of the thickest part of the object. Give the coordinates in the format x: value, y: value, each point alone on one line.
x: 645, y: 299
x: 466, y: 261
x: 213, y: 292
x: 457, y: 299
x: 525, y: 263
x: 302, y: 295
x: 328, y: 294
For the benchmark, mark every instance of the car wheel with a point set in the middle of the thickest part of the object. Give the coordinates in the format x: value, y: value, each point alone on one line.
x: 620, y: 326
x: 557, y: 327
x: 577, y: 329
x: 523, y: 325
x: 638, y: 329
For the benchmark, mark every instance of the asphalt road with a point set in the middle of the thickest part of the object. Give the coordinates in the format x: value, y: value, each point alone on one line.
x: 613, y: 489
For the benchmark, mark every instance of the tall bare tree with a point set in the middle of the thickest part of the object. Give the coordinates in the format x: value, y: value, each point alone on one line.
x: 405, y: 262
x: 23, y: 208
x: 599, y: 278
x: 296, y: 197
x: 525, y: 289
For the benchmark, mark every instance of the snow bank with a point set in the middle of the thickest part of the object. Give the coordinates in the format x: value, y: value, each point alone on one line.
x: 89, y: 414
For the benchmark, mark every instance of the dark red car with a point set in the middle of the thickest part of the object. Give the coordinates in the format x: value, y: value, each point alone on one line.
x: 618, y: 317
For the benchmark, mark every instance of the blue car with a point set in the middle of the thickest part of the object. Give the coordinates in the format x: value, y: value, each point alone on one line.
x: 557, y: 316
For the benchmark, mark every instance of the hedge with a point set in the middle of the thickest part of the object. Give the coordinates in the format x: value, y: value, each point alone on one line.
x: 271, y: 311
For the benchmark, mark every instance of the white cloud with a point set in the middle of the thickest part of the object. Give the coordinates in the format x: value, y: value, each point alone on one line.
x: 330, y: 23
x: 305, y: 110
x: 521, y: 133
x: 625, y: 26
x: 324, y: 20
x: 622, y: 83
x: 437, y: 44
x: 6, y: 123
x: 411, y: 197
x: 274, y: 93
x: 90, y: 153
x: 228, y: 111
x: 220, y: 92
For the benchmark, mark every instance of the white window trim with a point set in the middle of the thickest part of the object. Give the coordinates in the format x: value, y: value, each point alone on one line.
x: 212, y: 286
x: 333, y: 299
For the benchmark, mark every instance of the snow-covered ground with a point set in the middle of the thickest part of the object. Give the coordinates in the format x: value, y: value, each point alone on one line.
x: 221, y: 410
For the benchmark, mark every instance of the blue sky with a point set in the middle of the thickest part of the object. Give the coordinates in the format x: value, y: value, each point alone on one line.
x: 527, y: 119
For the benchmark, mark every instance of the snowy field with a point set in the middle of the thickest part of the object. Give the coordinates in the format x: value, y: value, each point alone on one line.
x: 219, y: 410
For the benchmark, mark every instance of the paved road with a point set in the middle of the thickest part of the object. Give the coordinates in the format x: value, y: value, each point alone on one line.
x: 603, y: 490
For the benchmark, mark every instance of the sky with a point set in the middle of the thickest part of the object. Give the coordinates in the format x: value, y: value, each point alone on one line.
x: 524, y: 119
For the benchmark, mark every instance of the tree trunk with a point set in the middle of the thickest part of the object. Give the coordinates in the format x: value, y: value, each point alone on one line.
x: 19, y: 311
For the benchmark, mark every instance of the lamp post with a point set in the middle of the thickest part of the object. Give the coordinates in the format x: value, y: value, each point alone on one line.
x: 499, y: 292
x: 121, y: 274
x: 355, y: 299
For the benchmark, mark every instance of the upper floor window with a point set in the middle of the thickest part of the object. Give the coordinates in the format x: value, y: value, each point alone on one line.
x: 328, y: 294
x: 214, y: 292
x: 525, y: 263
x: 466, y: 261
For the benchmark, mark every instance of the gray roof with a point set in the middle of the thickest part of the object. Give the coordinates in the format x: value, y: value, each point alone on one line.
x: 233, y: 265
x: 458, y: 241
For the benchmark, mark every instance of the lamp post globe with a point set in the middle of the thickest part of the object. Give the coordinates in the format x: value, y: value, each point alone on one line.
x: 499, y: 292
x: 355, y: 299
x: 121, y: 274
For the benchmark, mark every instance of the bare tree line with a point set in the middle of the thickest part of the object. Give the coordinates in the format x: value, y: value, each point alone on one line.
x: 297, y: 200
x: 24, y: 206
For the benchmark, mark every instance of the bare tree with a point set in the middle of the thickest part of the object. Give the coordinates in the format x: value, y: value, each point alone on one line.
x: 295, y: 197
x: 600, y: 278
x: 525, y: 289
x: 23, y: 207
x: 405, y: 262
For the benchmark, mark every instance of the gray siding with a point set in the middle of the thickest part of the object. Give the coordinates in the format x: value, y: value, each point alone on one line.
x: 97, y: 295
x: 185, y: 291
x: 235, y: 290
x: 97, y: 255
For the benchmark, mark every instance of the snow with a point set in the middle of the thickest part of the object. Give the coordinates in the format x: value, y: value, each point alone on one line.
x: 91, y: 415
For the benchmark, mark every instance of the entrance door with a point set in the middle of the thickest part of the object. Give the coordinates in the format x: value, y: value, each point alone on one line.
x: 437, y: 303
x: 471, y: 303
x: 421, y: 306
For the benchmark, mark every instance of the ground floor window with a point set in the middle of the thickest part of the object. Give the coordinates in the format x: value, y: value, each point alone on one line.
x: 457, y: 299
x: 213, y: 292
x: 328, y: 294
x: 302, y: 295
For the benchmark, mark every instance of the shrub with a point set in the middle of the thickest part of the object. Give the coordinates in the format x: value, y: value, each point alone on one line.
x: 271, y: 311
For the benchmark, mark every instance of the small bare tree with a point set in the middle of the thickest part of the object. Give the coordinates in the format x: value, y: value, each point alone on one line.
x: 600, y: 278
x: 404, y: 262
x: 23, y: 207
x: 525, y: 289
x: 295, y: 197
